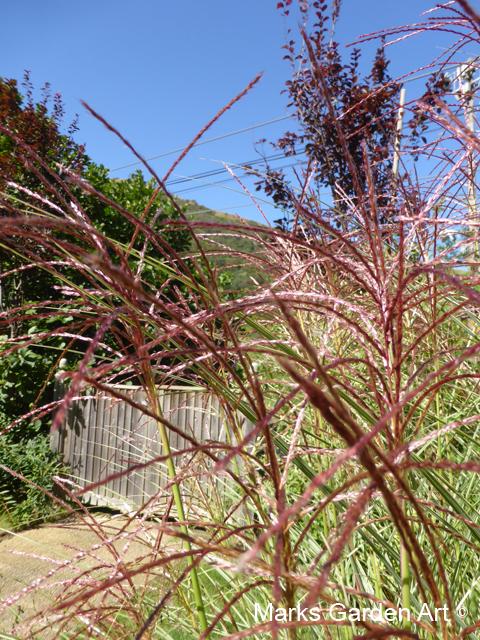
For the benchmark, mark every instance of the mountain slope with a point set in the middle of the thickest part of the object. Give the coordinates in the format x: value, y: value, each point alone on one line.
x: 223, y: 247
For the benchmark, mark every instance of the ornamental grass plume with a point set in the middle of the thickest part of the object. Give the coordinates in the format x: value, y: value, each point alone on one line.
x: 355, y: 362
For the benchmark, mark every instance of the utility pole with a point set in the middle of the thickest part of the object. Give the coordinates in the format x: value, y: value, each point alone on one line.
x: 398, y: 133
x: 465, y: 93
x: 405, y: 570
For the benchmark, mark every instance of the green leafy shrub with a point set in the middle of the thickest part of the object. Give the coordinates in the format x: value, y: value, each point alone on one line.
x: 22, y: 375
x: 25, y: 502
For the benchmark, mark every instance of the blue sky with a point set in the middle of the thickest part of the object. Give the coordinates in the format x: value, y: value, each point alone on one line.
x: 159, y: 70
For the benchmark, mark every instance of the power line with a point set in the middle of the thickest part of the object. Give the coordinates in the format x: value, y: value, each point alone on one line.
x: 214, y: 172
x: 229, y: 134
x: 220, y: 209
x: 251, y: 163
x: 257, y: 125
x: 245, y: 175
x: 272, y: 157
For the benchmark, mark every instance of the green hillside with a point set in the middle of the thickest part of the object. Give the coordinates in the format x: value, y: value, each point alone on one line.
x: 238, y: 270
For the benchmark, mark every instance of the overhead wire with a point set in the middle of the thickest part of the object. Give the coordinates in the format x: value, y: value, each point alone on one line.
x: 213, y: 172
x: 256, y: 125
x: 229, y: 134
x: 231, y: 178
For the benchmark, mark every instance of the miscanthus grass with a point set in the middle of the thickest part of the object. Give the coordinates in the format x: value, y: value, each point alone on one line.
x: 356, y: 364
